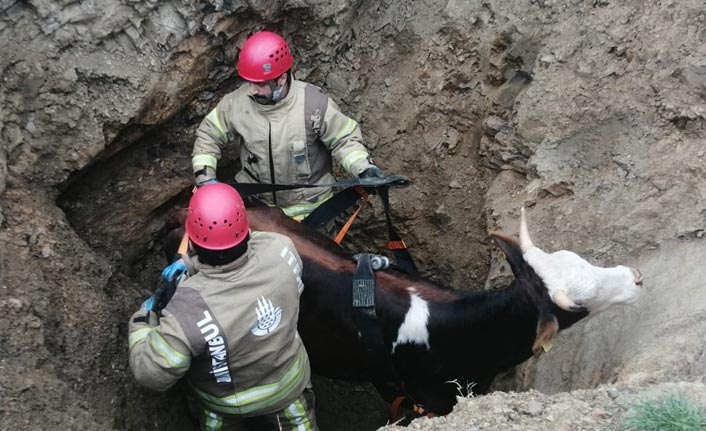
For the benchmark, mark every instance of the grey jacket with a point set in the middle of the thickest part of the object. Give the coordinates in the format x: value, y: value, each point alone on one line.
x: 231, y: 331
x: 303, y: 131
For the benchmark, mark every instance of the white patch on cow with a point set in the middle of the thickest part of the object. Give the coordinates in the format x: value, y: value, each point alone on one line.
x: 414, y: 328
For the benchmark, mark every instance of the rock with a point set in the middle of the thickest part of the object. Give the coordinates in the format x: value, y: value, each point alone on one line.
x: 30, y: 127
x: 547, y: 59
x: 493, y: 124
x: 12, y: 135
x: 451, y: 139
x: 47, y: 252
x: 612, y: 393
x: 694, y: 77
x: 34, y: 323
x: 14, y: 303
x: 533, y: 408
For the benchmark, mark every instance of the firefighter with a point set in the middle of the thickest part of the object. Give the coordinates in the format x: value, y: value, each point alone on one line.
x: 285, y: 131
x: 230, y: 329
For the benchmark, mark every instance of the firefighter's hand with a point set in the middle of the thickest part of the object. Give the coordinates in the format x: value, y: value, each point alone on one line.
x: 174, y: 271
x: 372, y: 172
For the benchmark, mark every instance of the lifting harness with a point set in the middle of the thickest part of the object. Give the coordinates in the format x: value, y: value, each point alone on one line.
x: 379, y: 361
x: 352, y: 191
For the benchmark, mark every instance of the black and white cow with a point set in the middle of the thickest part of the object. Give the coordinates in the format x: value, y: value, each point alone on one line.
x: 441, y: 341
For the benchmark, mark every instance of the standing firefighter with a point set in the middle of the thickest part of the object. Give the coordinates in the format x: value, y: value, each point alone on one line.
x: 230, y: 330
x: 287, y: 131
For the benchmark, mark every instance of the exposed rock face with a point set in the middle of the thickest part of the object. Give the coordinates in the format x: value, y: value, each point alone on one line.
x: 590, y: 113
x: 614, y: 119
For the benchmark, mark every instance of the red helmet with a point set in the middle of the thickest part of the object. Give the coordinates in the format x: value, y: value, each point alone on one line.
x: 264, y: 56
x: 217, y: 218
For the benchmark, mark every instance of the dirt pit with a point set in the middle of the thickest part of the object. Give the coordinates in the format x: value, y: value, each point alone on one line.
x: 588, y: 113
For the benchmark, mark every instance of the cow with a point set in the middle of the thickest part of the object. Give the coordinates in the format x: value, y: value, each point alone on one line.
x: 441, y: 342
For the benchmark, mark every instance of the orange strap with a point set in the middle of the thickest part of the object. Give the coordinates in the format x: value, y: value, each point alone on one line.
x: 344, y: 230
x: 417, y: 409
x: 184, y: 244
x: 395, y: 409
x: 396, y: 245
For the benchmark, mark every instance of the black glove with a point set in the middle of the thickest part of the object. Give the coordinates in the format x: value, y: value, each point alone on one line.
x: 207, y: 182
x: 372, y: 172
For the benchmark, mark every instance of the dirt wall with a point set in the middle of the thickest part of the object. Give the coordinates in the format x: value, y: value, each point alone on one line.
x: 589, y: 113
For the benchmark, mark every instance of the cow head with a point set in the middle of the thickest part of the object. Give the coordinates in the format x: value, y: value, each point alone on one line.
x: 573, y: 283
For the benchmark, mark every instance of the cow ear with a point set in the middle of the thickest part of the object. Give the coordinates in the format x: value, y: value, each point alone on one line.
x: 512, y: 251
x: 547, y: 327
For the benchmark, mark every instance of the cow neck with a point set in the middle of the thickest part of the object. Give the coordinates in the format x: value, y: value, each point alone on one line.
x: 498, y: 309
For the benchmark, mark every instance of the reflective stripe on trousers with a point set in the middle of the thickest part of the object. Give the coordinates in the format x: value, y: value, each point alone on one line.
x: 297, y: 416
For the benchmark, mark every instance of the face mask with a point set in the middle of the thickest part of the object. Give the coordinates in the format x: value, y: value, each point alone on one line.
x: 277, y: 94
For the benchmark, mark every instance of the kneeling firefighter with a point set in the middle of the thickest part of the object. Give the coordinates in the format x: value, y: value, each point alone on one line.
x: 230, y: 329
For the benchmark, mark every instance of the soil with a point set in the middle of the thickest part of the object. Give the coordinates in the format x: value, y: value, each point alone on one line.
x: 589, y: 113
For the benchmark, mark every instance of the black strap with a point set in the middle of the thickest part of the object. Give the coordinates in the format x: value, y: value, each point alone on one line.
x: 403, y: 259
x: 272, y: 162
x: 379, y: 361
x: 328, y: 210
x: 367, y: 183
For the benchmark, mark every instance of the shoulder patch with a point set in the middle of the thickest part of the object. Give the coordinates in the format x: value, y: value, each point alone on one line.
x: 315, y: 103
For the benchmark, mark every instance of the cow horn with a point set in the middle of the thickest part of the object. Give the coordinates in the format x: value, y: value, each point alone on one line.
x: 525, y: 241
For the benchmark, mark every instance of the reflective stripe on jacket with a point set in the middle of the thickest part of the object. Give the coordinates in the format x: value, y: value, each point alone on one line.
x: 296, y: 157
x: 231, y: 331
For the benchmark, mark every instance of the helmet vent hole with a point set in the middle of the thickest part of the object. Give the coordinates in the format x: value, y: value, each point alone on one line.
x: 201, y: 224
x: 230, y: 224
x: 225, y: 221
x: 215, y: 222
x: 205, y: 239
x: 210, y: 228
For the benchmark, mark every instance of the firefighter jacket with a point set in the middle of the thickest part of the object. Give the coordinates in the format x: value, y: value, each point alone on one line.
x: 231, y: 332
x: 290, y: 142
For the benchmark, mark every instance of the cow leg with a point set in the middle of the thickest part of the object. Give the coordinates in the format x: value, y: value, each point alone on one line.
x: 425, y: 380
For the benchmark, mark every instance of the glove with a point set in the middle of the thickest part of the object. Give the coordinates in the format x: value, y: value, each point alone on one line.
x: 372, y: 172
x: 149, y: 303
x: 174, y: 271
x: 207, y: 182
